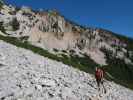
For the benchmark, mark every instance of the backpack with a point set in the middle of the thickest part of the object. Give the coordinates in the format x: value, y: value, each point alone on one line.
x: 99, y: 73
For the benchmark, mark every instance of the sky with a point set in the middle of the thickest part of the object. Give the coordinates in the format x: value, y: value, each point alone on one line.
x: 113, y: 15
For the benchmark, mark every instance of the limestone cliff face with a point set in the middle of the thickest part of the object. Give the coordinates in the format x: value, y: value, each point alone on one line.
x: 50, y: 30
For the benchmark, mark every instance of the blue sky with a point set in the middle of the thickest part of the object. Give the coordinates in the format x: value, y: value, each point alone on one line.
x: 114, y: 15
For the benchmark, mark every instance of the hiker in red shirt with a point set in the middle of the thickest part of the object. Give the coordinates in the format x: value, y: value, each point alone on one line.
x: 99, y: 75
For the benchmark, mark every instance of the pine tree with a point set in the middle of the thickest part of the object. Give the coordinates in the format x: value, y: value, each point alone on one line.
x: 1, y: 3
x: 15, y: 24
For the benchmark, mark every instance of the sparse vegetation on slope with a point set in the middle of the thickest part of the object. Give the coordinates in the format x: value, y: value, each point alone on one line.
x: 116, y: 67
x: 85, y: 63
x: 122, y: 72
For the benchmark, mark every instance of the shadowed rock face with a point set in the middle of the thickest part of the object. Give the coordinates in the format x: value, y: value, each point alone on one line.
x: 50, y: 30
x: 28, y: 76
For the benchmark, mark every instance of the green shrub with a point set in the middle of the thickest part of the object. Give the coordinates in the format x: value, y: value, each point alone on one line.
x: 24, y: 38
x: 2, y: 29
x: 15, y: 24
x: 56, y: 50
x: 1, y: 3
x: 64, y: 51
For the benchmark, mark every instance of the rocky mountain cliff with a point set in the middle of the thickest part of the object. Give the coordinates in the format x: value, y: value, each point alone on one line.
x: 84, y: 46
x: 50, y: 30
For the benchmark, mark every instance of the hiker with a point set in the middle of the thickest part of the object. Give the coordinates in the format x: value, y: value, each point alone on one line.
x: 99, y: 75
